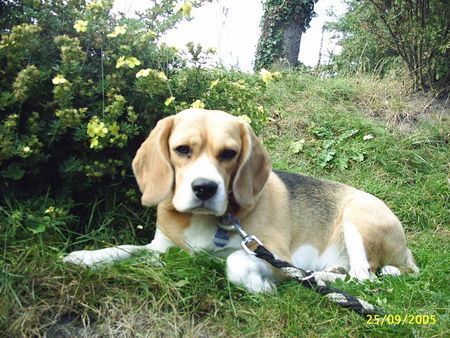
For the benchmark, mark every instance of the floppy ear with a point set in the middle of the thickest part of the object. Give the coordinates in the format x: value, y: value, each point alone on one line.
x: 151, y: 165
x: 253, y: 171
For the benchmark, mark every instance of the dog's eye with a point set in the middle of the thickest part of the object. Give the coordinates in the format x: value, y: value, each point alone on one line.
x: 227, y: 155
x: 183, y: 150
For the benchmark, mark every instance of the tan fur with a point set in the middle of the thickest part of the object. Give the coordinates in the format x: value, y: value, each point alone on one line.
x: 253, y: 171
x: 172, y: 223
x: 312, y: 212
x: 151, y: 164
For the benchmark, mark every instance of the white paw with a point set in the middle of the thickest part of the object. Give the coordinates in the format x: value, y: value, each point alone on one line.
x: 390, y: 270
x: 83, y: 258
x: 360, y: 274
x: 250, y: 272
x: 101, y: 257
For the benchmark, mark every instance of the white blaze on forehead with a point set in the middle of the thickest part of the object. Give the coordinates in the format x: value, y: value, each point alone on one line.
x: 185, y: 198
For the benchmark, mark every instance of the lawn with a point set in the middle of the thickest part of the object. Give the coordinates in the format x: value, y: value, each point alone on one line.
x: 368, y: 133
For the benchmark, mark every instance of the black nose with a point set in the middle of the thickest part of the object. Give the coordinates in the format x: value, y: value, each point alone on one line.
x: 204, y: 189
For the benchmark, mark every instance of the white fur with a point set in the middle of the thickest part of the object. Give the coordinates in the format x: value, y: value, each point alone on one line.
x: 307, y: 257
x: 390, y: 270
x: 185, y: 199
x: 160, y: 243
x: 242, y: 269
x: 200, y: 236
x: 97, y: 258
x: 250, y: 272
x: 359, y: 266
x: 107, y: 256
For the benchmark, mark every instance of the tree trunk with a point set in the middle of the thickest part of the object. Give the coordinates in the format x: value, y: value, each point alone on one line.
x: 291, y: 41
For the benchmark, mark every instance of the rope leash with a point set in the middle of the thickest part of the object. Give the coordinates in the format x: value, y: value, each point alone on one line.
x: 317, y: 281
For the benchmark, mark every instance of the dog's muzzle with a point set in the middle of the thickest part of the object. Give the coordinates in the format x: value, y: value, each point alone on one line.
x: 204, y: 189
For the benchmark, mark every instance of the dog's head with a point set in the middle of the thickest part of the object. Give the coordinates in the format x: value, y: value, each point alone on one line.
x: 198, y: 158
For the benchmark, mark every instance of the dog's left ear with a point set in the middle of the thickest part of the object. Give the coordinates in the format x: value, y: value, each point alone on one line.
x: 151, y: 165
x: 253, y: 171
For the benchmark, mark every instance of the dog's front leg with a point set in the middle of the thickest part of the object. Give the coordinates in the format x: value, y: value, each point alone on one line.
x: 250, y: 272
x: 107, y: 256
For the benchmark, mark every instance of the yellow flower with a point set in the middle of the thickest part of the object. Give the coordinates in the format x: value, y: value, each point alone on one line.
x: 94, y: 142
x: 96, y: 128
x: 151, y: 34
x: 162, y: 76
x: 114, y: 129
x: 80, y: 26
x: 184, y: 7
x: 198, y: 104
x: 213, y: 84
x: 120, y: 62
x: 245, y: 118
x: 117, y: 31
x: 50, y: 210
x: 26, y: 149
x: 95, y: 4
x: 59, y: 79
x: 143, y: 73
x: 267, y: 76
x: 169, y: 100
x: 129, y: 62
x: 140, y: 227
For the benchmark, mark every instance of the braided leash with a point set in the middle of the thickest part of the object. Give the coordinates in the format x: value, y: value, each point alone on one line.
x: 317, y: 281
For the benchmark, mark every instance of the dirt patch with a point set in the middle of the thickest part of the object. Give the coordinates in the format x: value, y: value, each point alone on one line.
x: 421, y: 109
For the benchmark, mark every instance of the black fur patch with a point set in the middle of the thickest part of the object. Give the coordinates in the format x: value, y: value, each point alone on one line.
x: 294, y: 181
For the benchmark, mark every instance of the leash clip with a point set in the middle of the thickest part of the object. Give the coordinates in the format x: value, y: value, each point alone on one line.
x: 249, y: 243
x: 230, y: 223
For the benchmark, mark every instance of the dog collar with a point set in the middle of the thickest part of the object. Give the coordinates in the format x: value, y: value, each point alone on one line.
x: 221, y: 237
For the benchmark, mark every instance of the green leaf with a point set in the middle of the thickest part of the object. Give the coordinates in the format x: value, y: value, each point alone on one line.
x: 348, y: 133
x: 14, y: 171
x: 342, y: 162
x: 359, y: 157
x: 296, y: 146
x: 322, y: 132
x: 328, y: 143
x: 326, y: 156
x: 38, y: 229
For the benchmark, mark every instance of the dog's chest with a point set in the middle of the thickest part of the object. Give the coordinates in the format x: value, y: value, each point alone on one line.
x: 203, y: 235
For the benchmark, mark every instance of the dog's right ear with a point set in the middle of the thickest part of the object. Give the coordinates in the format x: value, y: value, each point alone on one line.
x: 151, y: 165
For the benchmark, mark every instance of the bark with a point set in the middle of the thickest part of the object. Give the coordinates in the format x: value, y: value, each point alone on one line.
x: 291, y: 42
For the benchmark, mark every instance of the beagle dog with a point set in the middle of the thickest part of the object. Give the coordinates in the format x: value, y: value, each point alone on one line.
x: 198, y: 164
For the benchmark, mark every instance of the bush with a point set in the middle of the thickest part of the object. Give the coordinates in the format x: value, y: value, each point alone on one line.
x: 81, y: 89
x: 377, y: 34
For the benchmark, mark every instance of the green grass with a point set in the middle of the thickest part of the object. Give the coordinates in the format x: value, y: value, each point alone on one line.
x: 189, y: 295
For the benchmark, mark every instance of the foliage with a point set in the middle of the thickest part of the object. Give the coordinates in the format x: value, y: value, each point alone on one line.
x: 277, y: 15
x: 81, y: 88
x: 376, y: 32
x: 360, y: 51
